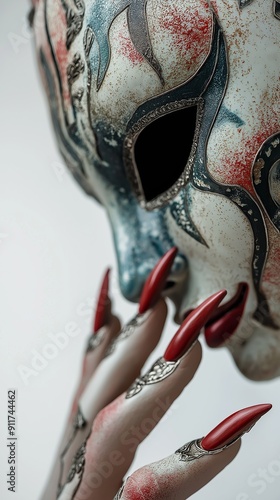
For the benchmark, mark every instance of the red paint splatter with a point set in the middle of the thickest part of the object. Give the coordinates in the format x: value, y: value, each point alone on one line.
x: 128, y: 50
x: 236, y: 168
x: 191, y: 30
x: 237, y: 165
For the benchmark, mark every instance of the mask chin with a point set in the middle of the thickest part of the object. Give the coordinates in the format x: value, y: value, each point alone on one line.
x: 258, y: 357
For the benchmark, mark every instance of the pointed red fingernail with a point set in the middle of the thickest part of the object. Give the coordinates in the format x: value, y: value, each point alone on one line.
x: 227, y: 319
x: 234, y: 427
x: 191, y: 326
x: 100, y: 313
x: 156, y: 281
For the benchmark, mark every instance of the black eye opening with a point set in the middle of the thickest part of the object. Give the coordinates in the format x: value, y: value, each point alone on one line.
x: 160, y: 150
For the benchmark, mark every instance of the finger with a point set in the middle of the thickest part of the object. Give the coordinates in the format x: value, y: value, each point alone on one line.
x: 180, y: 475
x: 103, y: 307
x: 96, y: 351
x: 130, y: 351
x: 125, y: 423
x: 105, y: 328
x: 111, y: 378
x: 128, y: 354
x: 132, y: 347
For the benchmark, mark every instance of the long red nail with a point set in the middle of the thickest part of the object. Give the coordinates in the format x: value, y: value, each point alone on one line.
x: 100, y: 313
x: 156, y: 281
x: 227, y: 318
x: 191, y: 326
x: 234, y: 426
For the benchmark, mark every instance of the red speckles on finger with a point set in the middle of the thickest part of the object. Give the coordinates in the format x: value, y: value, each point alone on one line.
x: 107, y: 415
x: 142, y: 485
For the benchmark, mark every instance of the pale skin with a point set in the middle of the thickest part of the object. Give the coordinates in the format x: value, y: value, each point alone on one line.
x: 117, y: 425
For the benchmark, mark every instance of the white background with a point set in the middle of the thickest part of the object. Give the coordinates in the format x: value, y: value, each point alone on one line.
x: 54, y: 246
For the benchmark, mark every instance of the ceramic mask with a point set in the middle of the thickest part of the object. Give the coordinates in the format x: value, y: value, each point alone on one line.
x: 167, y: 112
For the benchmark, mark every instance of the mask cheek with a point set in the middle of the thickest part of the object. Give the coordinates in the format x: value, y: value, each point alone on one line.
x: 258, y: 358
x: 225, y: 259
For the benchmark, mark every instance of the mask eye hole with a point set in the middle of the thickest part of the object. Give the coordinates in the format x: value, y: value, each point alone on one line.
x: 162, y: 150
x: 159, y: 150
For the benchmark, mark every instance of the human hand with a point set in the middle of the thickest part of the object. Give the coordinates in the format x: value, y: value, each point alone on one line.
x: 115, y: 408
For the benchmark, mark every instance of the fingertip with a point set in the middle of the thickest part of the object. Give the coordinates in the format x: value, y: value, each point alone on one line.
x: 114, y: 324
x: 160, y: 308
x: 192, y: 358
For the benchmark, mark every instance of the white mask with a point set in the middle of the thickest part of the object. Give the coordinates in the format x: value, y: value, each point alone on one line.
x: 168, y: 113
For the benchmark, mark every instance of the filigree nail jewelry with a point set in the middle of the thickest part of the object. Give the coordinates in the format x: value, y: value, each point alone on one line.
x: 224, y: 434
x: 95, y: 341
x: 181, y: 343
x: 193, y: 450
x: 79, y: 423
x: 160, y: 370
x: 120, y: 492
x: 126, y: 331
x: 76, y: 469
x: 78, y: 463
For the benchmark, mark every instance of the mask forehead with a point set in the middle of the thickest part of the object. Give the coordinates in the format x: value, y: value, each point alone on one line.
x: 151, y: 53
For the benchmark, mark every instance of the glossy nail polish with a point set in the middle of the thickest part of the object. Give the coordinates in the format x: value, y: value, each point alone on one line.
x: 156, y: 281
x: 103, y: 299
x: 234, y: 427
x: 227, y: 319
x: 191, y: 326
